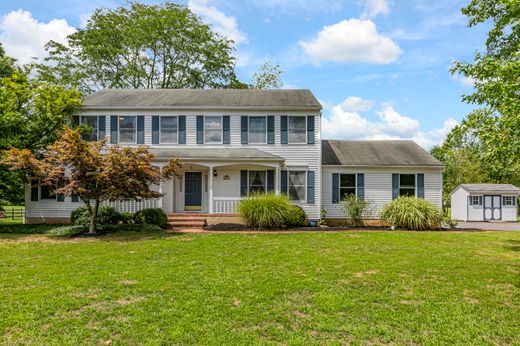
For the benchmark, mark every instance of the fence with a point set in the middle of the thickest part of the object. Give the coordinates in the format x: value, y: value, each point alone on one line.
x: 12, y: 213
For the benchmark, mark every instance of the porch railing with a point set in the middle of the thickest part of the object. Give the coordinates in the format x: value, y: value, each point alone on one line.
x: 132, y: 206
x: 225, y: 205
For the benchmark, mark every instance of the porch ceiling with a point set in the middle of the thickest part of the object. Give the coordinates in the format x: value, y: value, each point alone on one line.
x: 224, y: 154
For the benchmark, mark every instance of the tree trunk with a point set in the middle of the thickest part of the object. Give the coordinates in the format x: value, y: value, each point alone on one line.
x: 93, y: 218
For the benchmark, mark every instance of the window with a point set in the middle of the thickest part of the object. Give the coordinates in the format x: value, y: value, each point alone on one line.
x: 213, y: 130
x: 257, y: 182
x: 92, y: 122
x: 168, y: 130
x: 347, y: 185
x: 407, y: 185
x: 508, y: 200
x: 45, y: 192
x: 257, y: 130
x: 297, y: 185
x: 297, y: 130
x: 127, y: 129
x: 475, y: 200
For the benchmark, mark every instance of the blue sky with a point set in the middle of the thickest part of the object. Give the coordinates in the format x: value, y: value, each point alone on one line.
x: 380, y: 67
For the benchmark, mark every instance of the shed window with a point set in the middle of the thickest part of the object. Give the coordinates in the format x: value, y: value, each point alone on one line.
x: 407, y: 185
x: 509, y: 200
x: 475, y: 200
x: 347, y: 185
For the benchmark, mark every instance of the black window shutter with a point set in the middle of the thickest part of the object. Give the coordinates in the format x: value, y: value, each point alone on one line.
x: 479, y: 200
x: 503, y: 200
x: 182, y: 129
x: 283, y: 183
x: 270, y: 181
x: 74, y: 198
x: 226, y: 137
x: 335, y: 187
x: 155, y: 129
x: 244, y: 123
x: 514, y: 200
x: 34, y: 192
x: 102, y: 127
x: 200, y: 129
x: 420, y: 185
x: 310, y: 187
x: 243, y: 183
x: 360, y: 185
x: 470, y: 202
x: 310, y: 129
x: 270, y: 129
x: 395, y: 185
x: 113, y: 129
x: 284, y: 138
x: 140, y: 129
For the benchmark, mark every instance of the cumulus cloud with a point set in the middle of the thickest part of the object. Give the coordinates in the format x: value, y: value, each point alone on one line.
x: 345, y: 121
x: 24, y: 37
x: 374, y: 8
x: 221, y: 23
x: 352, y: 40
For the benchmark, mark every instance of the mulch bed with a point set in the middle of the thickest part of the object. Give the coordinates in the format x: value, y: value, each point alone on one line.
x: 238, y: 227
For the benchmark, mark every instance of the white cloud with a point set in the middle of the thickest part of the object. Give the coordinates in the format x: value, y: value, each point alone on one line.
x: 221, y: 23
x: 374, y: 8
x: 345, y: 121
x: 24, y: 37
x: 352, y: 40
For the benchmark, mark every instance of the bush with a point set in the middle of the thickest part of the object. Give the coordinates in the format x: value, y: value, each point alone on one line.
x: 412, y: 213
x: 266, y: 211
x: 452, y: 224
x: 296, y: 217
x: 68, y: 230
x: 355, y: 209
x: 126, y: 217
x: 26, y: 229
x: 107, y: 215
x: 155, y: 216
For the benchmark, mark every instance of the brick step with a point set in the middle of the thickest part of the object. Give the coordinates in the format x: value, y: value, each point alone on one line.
x: 185, y: 218
x: 199, y: 215
x: 174, y: 224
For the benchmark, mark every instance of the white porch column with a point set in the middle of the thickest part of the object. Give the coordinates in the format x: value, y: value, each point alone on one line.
x: 160, y: 190
x: 210, y: 190
x: 277, y: 180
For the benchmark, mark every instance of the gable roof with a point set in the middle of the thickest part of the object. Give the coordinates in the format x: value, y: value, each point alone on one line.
x: 376, y: 153
x: 489, y: 188
x: 274, y: 99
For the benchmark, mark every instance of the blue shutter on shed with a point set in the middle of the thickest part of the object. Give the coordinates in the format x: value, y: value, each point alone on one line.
x: 335, y: 187
x: 514, y: 200
x: 270, y: 129
x: 200, y: 129
x: 310, y: 187
x: 283, y: 182
x: 140, y: 129
x: 102, y: 127
x: 182, y: 129
x: 480, y: 200
x: 270, y: 181
x: 420, y: 185
x: 310, y: 129
x: 243, y: 183
x: 284, y: 137
x: 155, y: 129
x: 395, y: 185
x: 244, y: 122
x: 360, y: 186
x: 113, y: 129
x: 226, y: 136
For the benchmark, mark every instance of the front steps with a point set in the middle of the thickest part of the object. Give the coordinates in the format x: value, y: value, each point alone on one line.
x: 187, y: 220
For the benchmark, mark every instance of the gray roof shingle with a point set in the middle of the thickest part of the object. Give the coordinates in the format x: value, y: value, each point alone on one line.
x: 376, y: 153
x: 275, y: 99
x: 499, y: 188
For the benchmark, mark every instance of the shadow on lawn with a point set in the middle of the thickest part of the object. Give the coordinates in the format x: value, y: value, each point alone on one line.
x: 513, y: 245
x: 121, y: 236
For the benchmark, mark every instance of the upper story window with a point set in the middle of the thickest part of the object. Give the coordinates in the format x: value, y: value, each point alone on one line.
x: 347, y: 185
x: 92, y: 122
x: 213, y: 130
x: 297, y: 129
x: 297, y: 181
x: 169, y: 133
x: 407, y: 185
x: 257, y: 130
x: 127, y: 129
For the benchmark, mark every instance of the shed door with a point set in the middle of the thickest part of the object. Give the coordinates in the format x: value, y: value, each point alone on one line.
x: 492, y: 208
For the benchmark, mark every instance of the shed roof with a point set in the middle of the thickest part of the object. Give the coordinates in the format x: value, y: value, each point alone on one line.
x: 232, y: 154
x: 490, y: 188
x: 376, y: 153
x: 274, y: 99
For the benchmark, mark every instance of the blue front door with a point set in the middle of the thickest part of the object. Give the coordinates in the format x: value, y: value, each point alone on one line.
x: 193, y: 191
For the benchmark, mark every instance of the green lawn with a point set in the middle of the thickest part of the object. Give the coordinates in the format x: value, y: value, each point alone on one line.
x: 310, y: 288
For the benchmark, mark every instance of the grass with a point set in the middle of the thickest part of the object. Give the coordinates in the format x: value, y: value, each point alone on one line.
x: 306, y: 288
x: 8, y: 220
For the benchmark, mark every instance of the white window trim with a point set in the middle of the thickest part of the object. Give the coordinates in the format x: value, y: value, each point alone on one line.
x: 160, y: 129
x: 249, y: 128
x: 289, y: 129
x: 510, y: 204
x: 119, y: 129
x: 304, y: 200
x: 349, y: 187
x: 221, y: 129
x: 97, y: 123
x: 405, y: 186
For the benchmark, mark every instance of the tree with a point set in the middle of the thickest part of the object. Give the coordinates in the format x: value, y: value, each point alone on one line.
x: 92, y: 171
x: 268, y: 77
x: 7, y: 64
x: 141, y: 46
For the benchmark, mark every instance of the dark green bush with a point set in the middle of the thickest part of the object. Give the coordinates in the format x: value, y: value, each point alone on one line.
x: 152, y: 216
x: 412, y: 213
x: 107, y: 215
x: 355, y: 210
x: 126, y: 217
x: 144, y: 228
x: 265, y: 211
x: 68, y: 230
x: 296, y: 217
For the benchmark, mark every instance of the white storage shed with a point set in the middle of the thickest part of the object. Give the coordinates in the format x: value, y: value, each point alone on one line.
x: 485, y: 202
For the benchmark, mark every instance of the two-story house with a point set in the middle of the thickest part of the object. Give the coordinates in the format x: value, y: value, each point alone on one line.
x: 232, y: 143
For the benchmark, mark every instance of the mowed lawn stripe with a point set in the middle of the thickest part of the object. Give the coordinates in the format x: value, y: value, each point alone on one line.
x: 355, y: 287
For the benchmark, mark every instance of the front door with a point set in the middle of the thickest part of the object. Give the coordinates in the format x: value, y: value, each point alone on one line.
x: 193, y: 191
x: 492, y: 208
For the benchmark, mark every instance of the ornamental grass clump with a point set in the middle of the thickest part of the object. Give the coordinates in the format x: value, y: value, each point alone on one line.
x: 355, y: 210
x: 412, y: 213
x: 265, y: 211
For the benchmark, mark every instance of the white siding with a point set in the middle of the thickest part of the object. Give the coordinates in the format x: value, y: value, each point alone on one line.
x: 459, y: 205
x: 378, y: 187
x: 509, y: 212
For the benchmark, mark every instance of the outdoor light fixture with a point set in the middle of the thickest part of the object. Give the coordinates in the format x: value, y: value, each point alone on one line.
x: 214, y: 172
